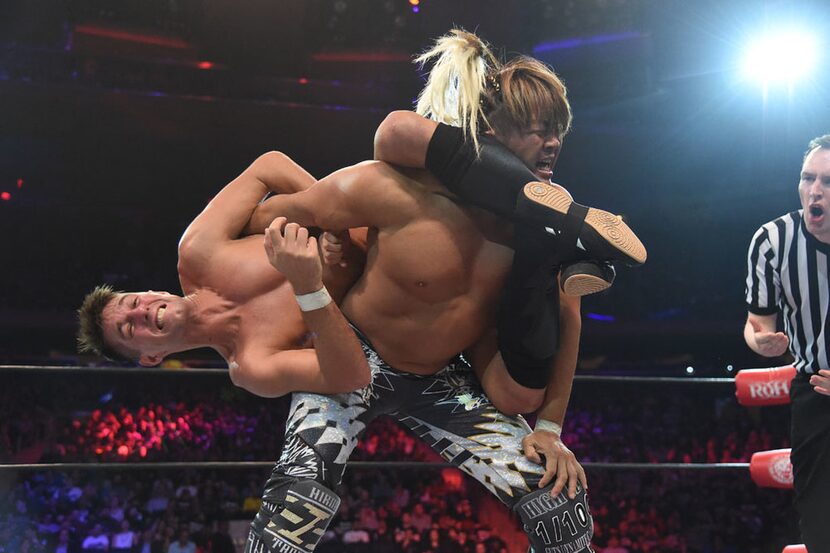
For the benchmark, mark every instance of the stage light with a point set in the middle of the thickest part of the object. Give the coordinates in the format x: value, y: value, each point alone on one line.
x: 5, y: 196
x: 690, y: 370
x: 782, y: 57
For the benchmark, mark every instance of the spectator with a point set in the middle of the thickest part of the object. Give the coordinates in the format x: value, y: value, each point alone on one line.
x: 96, y: 540
x: 220, y: 540
x: 183, y: 544
x: 125, y: 540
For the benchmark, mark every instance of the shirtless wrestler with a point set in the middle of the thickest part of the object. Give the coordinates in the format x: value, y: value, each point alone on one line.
x: 430, y: 288
x: 237, y: 303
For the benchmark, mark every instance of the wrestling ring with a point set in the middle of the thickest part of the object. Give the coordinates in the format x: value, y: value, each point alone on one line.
x: 753, y: 388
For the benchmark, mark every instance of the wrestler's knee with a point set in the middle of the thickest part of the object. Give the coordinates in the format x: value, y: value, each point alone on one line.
x: 554, y: 522
x: 511, y: 398
x: 294, y: 515
x: 504, y: 391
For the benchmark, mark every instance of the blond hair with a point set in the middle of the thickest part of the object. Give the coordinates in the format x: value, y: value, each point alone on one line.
x: 90, y: 324
x: 468, y: 87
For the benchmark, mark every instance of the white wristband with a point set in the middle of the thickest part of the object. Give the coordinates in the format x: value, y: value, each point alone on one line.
x: 549, y: 426
x: 315, y: 300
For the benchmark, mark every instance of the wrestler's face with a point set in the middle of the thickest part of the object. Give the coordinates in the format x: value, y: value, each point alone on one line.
x: 147, y: 325
x: 814, y: 192
x: 537, y: 146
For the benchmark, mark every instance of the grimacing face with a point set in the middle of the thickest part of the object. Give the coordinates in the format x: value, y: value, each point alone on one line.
x: 537, y: 147
x: 814, y: 193
x: 144, y: 325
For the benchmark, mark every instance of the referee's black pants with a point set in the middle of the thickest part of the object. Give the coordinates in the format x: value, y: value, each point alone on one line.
x: 810, y: 457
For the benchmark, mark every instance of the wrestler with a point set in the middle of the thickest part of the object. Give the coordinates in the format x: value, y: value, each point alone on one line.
x: 448, y: 409
x: 523, y: 110
x: 429, y: 290
x: 236, y: 303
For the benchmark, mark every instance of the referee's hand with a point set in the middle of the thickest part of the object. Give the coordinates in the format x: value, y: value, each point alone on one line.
x: 821, y: 382
x: 769, y: 344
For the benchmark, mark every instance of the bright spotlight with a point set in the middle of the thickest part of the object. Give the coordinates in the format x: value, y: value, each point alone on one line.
x: 782, y: 57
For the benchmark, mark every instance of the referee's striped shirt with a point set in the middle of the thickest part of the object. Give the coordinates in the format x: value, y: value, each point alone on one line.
x: 787, y: 274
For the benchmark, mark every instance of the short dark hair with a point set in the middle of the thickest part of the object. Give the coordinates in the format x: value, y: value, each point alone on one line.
x: 822, y: 141
x: 91, y: 328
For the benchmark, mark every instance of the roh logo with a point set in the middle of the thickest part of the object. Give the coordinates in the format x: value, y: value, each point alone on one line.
x: 774, y: 389
x: 781, y: 470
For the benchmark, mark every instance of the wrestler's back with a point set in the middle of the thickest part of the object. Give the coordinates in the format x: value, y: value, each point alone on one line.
x: 431, y: 284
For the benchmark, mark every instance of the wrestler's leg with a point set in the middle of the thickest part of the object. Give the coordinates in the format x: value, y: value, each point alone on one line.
x: 528, y: 316
x: 455, y: 418
x: 299, y: 502
x: 498, y: 181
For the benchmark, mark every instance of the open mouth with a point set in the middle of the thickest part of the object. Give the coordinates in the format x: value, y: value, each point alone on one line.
x: 816, y: 211
x: 544, y: 168
x: 545, y: 165
x: 160, y: 316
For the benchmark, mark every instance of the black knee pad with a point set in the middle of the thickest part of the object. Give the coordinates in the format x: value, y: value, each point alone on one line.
x: 493, y: 180
x: 529, y: 371
x: 556, y: 524
x: 293, y: 517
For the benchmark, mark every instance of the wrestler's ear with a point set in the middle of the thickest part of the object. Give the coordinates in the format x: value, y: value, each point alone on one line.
x: 150, y: 360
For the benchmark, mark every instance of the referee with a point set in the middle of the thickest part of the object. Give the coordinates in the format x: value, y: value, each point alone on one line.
x: 789, y: 274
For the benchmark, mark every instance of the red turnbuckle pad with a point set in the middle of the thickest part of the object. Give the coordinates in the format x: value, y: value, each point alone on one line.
x: 795, y: 549
x: 757, y: 387
x: 772, y: 469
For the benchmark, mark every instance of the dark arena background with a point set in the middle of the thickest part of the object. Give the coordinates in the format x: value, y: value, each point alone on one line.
x: 119, y: 120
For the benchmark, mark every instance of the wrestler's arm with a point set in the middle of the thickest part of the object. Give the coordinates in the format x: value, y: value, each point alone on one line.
x: 228, y: 212
x: 357, y: 196
x: 274, y: 374
x: 337, y: 363
x: 403, y: 137
x: 559, y: 460
x: 761, y: 336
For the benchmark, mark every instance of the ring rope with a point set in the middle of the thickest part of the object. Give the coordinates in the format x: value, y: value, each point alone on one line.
x: 352, y: 464
x: 215, y: 372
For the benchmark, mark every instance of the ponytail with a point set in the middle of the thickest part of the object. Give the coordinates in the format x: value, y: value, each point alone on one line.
x: 457, y: 82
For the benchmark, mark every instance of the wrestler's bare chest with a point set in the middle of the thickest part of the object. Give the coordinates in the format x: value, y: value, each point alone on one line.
x: 450, y: 252
x: 262, y: 300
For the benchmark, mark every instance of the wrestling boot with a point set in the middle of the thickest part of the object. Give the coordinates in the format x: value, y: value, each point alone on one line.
x: 293, y: 517
x: 581, y: 278
x: 556, y: 524
x: 599, y: 234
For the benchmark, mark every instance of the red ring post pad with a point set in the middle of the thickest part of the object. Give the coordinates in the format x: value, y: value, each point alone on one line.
x: 772, y: 469
x: 795, y: 549
x: 757, y: 387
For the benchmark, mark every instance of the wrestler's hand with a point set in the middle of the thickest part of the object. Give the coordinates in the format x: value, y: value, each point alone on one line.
x: 294, y: 253
x: 769, y: 344
x: 821, y: 382
x: 559, y: 462
x: 333, y: 247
